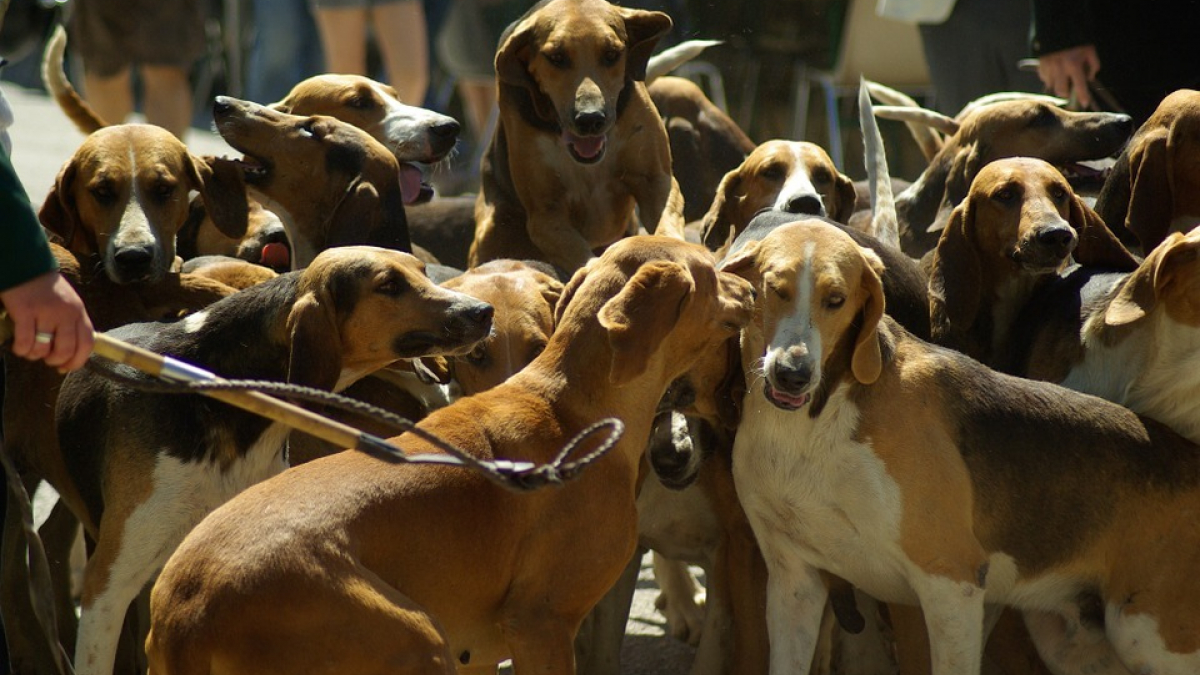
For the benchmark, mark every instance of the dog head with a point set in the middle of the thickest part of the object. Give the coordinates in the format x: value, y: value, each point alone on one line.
x: 1020, y: 220
x: 330, y: 182
x: 820, y: 301
x: 374, y: 306
x: 793, y: 177
x: 1155, y: 185
x: 123, y: 196
x: 1168, y: 278
x: 413, y: 134
x: 574, y: 62
x: 660, y: 304
x: 264, y: 243
x: 524, y: 297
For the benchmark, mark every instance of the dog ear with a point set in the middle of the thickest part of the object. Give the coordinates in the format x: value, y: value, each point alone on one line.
x: 1151, y: 191
x: 1098, y: 246
x: 316, y: 347
x: 867, y: 361
x: 564, y: 299
x: 846, y: 198
x: 512, y: 66
x: 742, y: 263
x: 641, y: 316
x: 60, y: 215
x: 1141, y: 290
x: 222, y: 186
x: 372, y: 213
x: 717, y: 222
x: 954, y: 279
x: 966, y: 165
x: 551, y: 289
x: 644, y: 29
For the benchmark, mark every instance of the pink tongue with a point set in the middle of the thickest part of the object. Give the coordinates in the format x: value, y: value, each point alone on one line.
x: 276, y: 255
x: 796, y: 401
x: 586, y: 148
x: 410, y: 183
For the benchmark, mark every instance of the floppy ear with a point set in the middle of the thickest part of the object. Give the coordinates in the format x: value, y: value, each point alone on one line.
x: 315, y: 359
x: 222, y: 186
x: 719, y: 219
x: 564, y: 299
x: 867, y: 361
x: 1151, y: 190
x: 641, y: 316
x: 60, y: 215
x: 512, y: 66
x: 742, y: 263
x: 551, y: 288
x: 1098, y: 246
x: 955, y: 278
x: 846, y: 197
x: 1140, y: 292
x: 644, y: 29
x: 966, y: 165
x: 372, y: 213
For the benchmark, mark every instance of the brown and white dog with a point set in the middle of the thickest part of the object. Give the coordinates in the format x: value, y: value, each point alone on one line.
x: 578, y: 142
x: 502, y: 575
x: 794, y: 177
x: 1019, y: 227
x: 1152, y: 190
x: 123, y: 196
x: 993, y: 490
x: 1008, y: 128
x: 150, y: 466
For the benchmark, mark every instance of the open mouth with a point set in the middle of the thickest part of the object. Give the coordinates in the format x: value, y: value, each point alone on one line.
x: 255, y: 169
x: 585, y: 149
x: 1087, y: 173
x: 783, y: 400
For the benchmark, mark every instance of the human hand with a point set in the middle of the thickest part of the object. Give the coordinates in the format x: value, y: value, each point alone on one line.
x: 49, y: 322
x: 1066, y: 73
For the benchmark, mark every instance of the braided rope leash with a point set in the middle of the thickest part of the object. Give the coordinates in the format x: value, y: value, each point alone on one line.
x: 177, y: 377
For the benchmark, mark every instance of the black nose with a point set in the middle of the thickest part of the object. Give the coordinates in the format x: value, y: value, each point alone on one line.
x: 473, y: 318
x: 1059, y: 240
x: 1125, y: 124
x: 134, y: 258
x: 222, y: 104
x: 590, y: 122
x: 445, y: 130
x: 806, y: 204
x: 793, y: 378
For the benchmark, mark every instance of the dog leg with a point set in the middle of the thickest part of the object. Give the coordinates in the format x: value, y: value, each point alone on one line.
x: 598, y: 641
x: 796, y: 598
x: 660, y: 207
x: 954, y: 617
x: 28, y: 651
x: 542, y: 644
x: 677, y: 599
x: 560, y: 243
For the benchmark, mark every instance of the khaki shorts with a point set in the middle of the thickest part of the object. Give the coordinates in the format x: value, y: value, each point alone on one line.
x: 111, y: 35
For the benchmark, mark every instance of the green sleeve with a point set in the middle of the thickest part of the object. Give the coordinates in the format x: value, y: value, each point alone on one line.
x: 1060, y: 24
x: 24, y: 252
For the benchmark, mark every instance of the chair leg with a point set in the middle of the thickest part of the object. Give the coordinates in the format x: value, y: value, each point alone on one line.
x: 834, y: 123
x: 803, y: 89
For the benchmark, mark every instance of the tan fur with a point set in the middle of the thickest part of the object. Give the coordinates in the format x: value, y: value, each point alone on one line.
x: 570, y: 75
x: 125, y: 191
x: 524, y: 298
x: 504, y: 574
x: 759, y: 181
x: 1154, y: 186
x: 1020, y: 224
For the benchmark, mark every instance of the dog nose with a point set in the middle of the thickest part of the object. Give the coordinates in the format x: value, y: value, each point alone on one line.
x: 590, y: 122
x: 447, y: 130
x: 806, y: 204
x: 222, y: 104
x: 475, y: 317
x: 1125, y: 124
x: 1059, y: 240
x: 134, y: 258
x: 793, y: 377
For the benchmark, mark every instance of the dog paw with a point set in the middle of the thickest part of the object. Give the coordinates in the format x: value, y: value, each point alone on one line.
x: 685, y: 616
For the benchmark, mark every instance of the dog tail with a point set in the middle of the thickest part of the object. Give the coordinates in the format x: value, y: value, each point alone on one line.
x: 923, y: 124
x: 79, y: 112
x: 885, y: 226
x: 669, y: 59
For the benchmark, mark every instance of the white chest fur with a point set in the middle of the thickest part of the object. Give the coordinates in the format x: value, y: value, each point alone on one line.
x: 815, y: 495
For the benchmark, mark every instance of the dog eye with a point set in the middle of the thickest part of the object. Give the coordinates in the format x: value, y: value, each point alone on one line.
x: 773, y: 172
x: 103, y: 193
x: 781, y: 293
x: 1043, y: 117
x: 1005, y: 195
x: 612, y: 56
x: 391, y: 287
x: 821, y: 175
x: 557, y: 59
x: 163, y: 191
x: 1058, y: 193
x: 308, y: 129
x: 478, y: 356
x: 835, y: 301
x: 361, y: 102
x: 537, y: 350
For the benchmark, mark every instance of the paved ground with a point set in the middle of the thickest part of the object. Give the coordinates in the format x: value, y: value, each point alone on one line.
x: 43, y: 139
